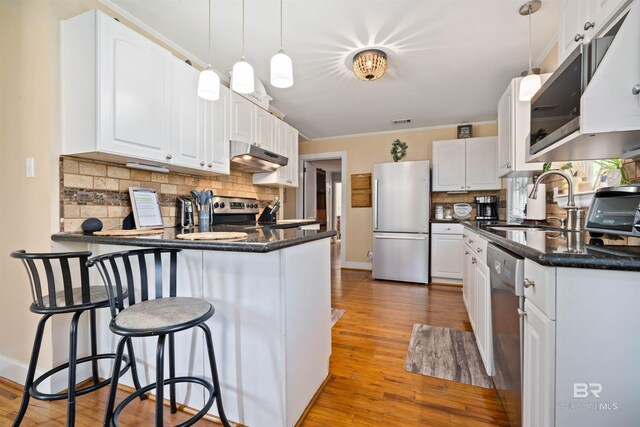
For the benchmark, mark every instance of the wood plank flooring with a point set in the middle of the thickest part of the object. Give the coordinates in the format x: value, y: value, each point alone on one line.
x: 368, y: 385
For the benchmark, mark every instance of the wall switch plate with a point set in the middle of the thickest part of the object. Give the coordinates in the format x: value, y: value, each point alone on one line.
x: 31, y: 167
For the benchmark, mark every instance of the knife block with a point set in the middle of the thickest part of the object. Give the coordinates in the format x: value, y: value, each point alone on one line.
x: 266, y: 217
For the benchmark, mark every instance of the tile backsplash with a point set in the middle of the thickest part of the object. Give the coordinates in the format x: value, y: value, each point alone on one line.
x: 90, y: 188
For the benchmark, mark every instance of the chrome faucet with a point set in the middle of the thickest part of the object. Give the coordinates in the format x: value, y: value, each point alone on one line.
x: 574, y: 213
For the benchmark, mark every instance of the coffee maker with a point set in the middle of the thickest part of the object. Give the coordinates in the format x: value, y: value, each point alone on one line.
x: 486, y: 208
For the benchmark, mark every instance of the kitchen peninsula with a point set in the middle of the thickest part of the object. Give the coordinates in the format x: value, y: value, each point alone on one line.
x: 272, y: 325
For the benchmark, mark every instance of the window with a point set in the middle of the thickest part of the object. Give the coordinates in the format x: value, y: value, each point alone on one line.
x: 517, y: 198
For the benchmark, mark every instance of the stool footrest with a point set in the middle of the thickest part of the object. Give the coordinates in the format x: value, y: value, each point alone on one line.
x: 36, y: 394
x: 194, y: 380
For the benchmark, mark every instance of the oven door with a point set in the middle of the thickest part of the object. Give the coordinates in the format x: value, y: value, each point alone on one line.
x: 615, y: 211
x: 555, y: 108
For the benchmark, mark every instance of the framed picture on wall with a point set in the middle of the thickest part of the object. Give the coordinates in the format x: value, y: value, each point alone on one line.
x: 464, y: 131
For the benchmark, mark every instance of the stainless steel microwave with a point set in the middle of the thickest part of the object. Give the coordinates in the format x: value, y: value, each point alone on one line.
x: 615, y: 210
x: 555, y: 108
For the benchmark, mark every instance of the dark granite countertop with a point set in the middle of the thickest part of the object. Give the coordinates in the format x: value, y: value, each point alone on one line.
x: 559, y: 248
x: 259, y: 239
x: 445, y: 221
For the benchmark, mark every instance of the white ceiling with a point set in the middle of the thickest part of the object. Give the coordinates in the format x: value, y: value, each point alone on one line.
x: 449, y: 60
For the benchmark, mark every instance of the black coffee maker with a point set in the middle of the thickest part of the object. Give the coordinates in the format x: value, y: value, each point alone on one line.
x: 486, y: 208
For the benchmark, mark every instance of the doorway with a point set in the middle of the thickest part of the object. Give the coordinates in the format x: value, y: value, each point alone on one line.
x: 322, y: 194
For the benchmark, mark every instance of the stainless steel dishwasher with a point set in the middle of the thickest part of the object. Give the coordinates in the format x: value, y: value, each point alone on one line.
x: 507, y: 305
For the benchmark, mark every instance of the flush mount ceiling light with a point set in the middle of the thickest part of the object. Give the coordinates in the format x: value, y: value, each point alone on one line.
x: 281, y: 66
x: 242, y: 74
x: 209, y: 81
x: 370, y: 64
x: 532, y: 82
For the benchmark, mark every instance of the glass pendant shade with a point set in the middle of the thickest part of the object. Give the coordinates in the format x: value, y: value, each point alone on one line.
x: 209, y: 85
x: 529, y: 86
x: 242, y: 77
x: 281, y: 70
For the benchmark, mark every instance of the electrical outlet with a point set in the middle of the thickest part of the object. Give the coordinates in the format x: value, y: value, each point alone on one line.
x: 30, y: 167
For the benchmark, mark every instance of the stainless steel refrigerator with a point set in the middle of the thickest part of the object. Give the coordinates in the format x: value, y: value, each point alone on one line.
x: 401, y: 214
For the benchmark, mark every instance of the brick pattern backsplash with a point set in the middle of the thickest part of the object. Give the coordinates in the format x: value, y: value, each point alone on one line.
x: 632, y: 169
x: 90, y: 188
x: 448, y: 200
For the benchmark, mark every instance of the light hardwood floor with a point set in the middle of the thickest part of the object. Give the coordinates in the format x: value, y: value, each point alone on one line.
x: 368, y: 385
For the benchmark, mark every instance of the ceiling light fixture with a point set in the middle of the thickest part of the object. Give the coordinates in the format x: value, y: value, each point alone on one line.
x: 209, y: 81
x: 242, y: 80
x: 370, y: 64
x: 532, y: 82
x: 281, y: 66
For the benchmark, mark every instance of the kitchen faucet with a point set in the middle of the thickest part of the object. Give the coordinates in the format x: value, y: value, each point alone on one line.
x: 574, y: 213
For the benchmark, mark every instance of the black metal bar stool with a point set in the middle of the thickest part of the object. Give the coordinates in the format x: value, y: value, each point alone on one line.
x: 128, y: 273
x: 61, y: 296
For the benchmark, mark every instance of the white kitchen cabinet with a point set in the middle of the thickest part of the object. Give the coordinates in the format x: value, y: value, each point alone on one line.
x: 513, y: 130
x: 582, y: 20
x: 447, y: 259
x: 286, y: 144
x: 469, y: 284
x: 538, y: 389
x: 449, y: 165
x: 265, y: 130
x: 466, y: 165
x: 217, y: 132
x: 243, y: 119
x: 188, y: 118
x: 116, y: 90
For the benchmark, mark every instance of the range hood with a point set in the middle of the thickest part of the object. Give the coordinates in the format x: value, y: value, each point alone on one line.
x: 252, y: 158
x: 609, y: 122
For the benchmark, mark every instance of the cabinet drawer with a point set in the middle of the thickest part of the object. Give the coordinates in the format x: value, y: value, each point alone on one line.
x: 540, y: 287
x: 470, y: 239
x: 440, y: 228
x: 481, y: 249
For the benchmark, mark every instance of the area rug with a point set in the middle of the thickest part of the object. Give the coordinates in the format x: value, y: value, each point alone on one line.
x: 446, y: 353
x: 336, y: 314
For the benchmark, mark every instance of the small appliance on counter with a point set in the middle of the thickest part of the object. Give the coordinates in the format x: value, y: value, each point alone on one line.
x: 486, y: 208
x: 185, y: 213
x: 615, y: 211
x: 268, y: 215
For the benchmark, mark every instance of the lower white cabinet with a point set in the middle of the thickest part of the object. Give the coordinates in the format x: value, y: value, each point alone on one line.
x: 446, y: 253
x: 538, y: 368
x: 476, y: 291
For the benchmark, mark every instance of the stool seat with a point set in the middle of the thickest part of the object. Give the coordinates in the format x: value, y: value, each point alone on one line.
x: 97, y: 295
x: 162, y: 314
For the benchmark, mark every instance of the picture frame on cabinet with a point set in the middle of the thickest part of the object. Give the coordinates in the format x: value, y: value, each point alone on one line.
x: 465, y: 131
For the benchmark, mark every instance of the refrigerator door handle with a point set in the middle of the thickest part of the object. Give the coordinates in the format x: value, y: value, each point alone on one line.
x: 400, y: 238
x: 375, y: 204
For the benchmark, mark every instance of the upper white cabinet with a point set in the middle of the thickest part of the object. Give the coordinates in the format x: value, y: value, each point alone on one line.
x: 513, y: 130
x: 243, y: 119
x: 581, y: 20
x: 265, y: 129
x: 466, y: 164
x: 126, y: 98
x: 116, y: 90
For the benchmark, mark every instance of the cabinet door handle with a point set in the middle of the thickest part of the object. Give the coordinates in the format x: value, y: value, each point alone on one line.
x: 636, y: 89
x: 466, y: 252
x: 474, y: 260
x: 470, y: 241
x: 448, y: 228
x: 521, y: 312
x: 479, y: 250
x: 529, y: 283
x: 169, y: 156
x: 464, y: 236
x: 589, y: 25
x: 578, y: 37
x: 468, y: 186
x: 202, y: 163
x: 462, y: 188
x: 509, y: 165
x: 210, y: 165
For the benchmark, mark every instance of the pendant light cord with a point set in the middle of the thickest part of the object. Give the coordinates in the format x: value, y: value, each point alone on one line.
x: 280, y: 24
x: 209, y: 34
x: 530, y: 69
x: 242, y: 29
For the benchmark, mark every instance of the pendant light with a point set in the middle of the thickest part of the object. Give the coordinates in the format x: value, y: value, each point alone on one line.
x: 281, y: 66
x: 209, y: 81
x: 532, y: 82
x: 242, y: 75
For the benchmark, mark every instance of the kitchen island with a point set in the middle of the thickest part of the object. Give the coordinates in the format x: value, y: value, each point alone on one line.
x: 271, y: 328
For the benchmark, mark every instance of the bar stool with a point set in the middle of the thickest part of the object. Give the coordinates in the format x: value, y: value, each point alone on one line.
x: 52, y: 268
x: 128, y: 273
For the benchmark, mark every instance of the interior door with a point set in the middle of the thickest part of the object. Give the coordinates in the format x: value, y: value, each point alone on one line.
x: 310, y: 202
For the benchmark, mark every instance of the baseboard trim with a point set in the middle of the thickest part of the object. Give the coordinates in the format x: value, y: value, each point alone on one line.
x: 16, y: 372
x: 351, y: 265
x: 313, y: 401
